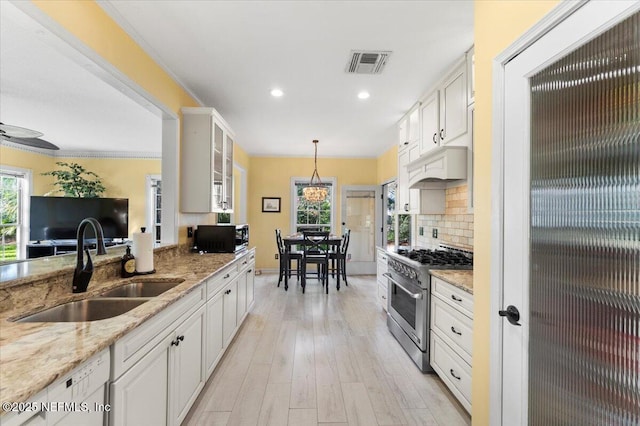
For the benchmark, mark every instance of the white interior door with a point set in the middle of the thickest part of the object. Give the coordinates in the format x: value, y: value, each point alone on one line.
x: 361, y: 214
x: 581, y: 26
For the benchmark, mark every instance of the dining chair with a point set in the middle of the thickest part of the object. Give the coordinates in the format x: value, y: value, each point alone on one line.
x: 315, y: 251
x: 339, y: 257
x: 285, y: 260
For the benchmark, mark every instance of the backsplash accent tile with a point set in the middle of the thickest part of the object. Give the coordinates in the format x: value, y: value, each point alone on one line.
x: 454, y: 227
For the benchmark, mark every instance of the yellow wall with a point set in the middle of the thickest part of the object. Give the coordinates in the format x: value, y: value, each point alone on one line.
x: 271, y: 177
x: 388, y: 164
x: 497, y: 25
x: 90, y: 24
x: 124, y: 178
x: 37, y: 163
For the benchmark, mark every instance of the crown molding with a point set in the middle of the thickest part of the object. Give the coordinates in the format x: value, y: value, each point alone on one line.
x: 84, y: 154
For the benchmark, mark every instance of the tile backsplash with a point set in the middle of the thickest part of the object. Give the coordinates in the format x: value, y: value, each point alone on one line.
x: 454, y: 227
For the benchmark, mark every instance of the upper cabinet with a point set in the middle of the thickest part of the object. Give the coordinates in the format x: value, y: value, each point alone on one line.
x: 206, y: 168
x: 444, y: 112
x: 409, y: 127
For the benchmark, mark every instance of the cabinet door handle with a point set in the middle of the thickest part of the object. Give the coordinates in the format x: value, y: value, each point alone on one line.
x: 249, y: 271
x: 454, y: 374
x: 228, y: 291
x: 406, y: 143
x: 244, y: 263
x: 456, y: 331
x: 456, y: 298
x: 225, y: 277
x: 175, y: 342
x: 384, y: 297
x: 442, y: 134
x: 406, y: 207
x: 180, y: 338
x: 435, y: 135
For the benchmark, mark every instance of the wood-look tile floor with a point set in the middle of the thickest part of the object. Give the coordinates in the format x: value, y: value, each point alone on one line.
x: 317, y: 359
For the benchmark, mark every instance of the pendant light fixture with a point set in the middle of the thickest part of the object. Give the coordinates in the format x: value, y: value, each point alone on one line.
x: 316, y: 192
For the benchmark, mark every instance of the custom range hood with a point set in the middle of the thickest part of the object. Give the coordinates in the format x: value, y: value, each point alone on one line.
x: 438, y: 165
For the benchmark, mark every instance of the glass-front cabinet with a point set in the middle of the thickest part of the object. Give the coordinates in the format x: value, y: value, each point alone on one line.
x: 206, y: 162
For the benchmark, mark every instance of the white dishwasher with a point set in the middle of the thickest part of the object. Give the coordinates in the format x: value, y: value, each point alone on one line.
x: 78, y: 398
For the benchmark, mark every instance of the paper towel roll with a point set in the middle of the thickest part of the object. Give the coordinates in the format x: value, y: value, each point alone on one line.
x: 143, y: 251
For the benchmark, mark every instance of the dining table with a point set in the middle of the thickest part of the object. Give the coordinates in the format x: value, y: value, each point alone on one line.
x: 298, y: 240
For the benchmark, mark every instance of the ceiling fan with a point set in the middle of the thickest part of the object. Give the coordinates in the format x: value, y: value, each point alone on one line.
x: 24, y: 136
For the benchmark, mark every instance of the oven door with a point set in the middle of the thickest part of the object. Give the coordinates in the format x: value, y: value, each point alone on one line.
x: 408, y: 307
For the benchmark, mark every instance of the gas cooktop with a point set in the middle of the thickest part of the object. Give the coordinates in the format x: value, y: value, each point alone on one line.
x: 435, y: 259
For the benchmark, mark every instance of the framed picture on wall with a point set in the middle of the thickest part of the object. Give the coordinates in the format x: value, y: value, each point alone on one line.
x: 271, y: 204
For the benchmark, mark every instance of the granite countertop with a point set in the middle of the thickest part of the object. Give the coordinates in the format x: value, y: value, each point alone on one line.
x: 34, y: 355
x: 463, y: 279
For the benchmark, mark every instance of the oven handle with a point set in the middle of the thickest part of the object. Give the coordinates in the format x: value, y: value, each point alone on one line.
x: 413, y: 295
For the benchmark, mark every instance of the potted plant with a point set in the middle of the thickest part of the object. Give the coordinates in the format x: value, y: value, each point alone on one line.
x: 76, y: 181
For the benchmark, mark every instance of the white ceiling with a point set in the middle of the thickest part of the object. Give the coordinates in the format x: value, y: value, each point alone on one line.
x: 47, y: 89
x: 230, y: 54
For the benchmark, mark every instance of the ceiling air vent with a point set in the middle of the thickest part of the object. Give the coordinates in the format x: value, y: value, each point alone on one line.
x: 367, y: 62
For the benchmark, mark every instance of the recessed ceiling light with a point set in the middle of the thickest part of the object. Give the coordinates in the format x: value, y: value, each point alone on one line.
x: 363, y: 95
x: 276, y: 93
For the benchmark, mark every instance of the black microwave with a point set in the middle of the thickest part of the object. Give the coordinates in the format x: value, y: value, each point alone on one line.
x: 221, y: 238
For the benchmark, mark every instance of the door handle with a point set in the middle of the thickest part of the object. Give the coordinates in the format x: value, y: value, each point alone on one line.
x: 512, y: 314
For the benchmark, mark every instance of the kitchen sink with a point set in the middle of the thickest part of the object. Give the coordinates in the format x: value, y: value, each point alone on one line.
x: 142, y: 288
x: 85, y: 310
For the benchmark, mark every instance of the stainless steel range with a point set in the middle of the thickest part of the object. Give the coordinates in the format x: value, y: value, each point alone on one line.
x: 409, y: 295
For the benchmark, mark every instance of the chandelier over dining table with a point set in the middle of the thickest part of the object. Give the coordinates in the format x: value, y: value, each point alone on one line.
x: 316, y: 192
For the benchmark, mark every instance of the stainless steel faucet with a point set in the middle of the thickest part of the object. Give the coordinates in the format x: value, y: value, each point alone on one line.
x: 82, y: 274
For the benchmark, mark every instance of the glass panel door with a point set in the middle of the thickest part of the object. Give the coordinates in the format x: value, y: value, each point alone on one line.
x: 584, y: 294
x: 359, y: 215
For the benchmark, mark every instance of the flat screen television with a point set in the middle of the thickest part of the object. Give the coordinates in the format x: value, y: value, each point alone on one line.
x: 57, y: 218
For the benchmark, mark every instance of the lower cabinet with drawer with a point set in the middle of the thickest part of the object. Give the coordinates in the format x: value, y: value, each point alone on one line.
x: 158, y: 369
x: 451, y: 338
x: 168, y: 370
x: 381, y: 280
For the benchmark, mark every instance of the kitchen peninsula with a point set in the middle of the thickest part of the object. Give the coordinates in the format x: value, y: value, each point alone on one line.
x: 213, y: 294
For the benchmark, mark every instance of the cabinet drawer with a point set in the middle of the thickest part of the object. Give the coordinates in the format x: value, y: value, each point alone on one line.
x: 453, y: 327
x: 453, y: 295
x: 246, y: 262
x: 221, y: 279
x: 452, y: 370
x: 382, y: 296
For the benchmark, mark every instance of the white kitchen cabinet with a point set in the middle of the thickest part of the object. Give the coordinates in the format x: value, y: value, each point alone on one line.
x: 247, y: 277
x: 429, y: 114
x: 168, y: 378
x: 214, y: 340
x: 230, y: 309
x: 187, y: 376
x: 160, y: 365
x: 165, y: 362
x: 250, y: 276
x: 409, y: 127
x: 451, y: 347
x: 241, y: 301
x: 408, y: 200
x: 381, y: 279
x: 140, y: 396
x: 443, y: 112
x: 206, y: 155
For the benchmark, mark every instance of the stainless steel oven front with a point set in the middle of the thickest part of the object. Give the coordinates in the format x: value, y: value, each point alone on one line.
x: 409, y: 306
